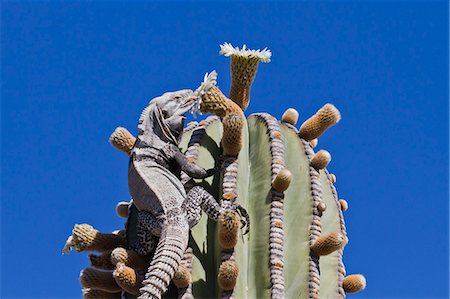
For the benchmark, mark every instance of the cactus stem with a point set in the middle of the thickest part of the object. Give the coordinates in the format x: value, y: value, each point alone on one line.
x: 122, y: 139
x: 316, y: 226
x: 341, y: 267
x: 321, y: 159
x: 229, y: 220
x: 326, y: 117
x: 354, y: 283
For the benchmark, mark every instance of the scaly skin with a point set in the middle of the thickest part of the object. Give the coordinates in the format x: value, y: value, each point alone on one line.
x: 165, y: 210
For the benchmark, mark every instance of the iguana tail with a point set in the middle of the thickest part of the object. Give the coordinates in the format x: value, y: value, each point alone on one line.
x: 171, y: 247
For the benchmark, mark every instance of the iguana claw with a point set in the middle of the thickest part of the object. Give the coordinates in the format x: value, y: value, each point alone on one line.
x: 245, y: 218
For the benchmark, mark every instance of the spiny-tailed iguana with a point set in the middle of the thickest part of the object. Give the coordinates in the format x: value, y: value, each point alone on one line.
x: 165, y: 209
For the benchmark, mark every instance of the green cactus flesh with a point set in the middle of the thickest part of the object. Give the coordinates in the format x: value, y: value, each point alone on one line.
x: 259, y: 209
x: 298, y: 217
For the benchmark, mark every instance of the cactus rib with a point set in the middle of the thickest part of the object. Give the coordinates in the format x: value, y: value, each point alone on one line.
x: 276, y: 211
x: 316, y: 226
x: 341, y: 267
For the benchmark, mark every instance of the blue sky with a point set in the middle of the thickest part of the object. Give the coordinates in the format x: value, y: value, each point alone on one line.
x: 73, y: 71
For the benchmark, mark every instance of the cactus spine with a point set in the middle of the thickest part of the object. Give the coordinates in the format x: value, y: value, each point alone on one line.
x: 297, y: 236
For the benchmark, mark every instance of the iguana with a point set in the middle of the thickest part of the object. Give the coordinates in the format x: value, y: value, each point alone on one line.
x: 165, y: 209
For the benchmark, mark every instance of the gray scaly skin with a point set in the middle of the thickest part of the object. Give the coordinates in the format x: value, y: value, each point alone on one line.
x: 165, y: 210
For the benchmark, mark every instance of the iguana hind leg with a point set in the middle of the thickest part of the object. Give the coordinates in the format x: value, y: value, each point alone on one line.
x: 148, y: 230
x: 199, y: 199
x: 146, y: 241
x: 148, y: 221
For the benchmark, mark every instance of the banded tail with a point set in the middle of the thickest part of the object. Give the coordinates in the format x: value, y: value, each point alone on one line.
x: 171, y: 247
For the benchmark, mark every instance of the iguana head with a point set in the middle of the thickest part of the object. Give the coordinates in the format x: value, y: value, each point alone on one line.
x: 165, y: 116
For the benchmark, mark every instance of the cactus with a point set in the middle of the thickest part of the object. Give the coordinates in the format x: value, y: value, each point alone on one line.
x: 297, y: 236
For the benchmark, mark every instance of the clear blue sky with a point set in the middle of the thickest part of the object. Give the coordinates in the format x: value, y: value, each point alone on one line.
x: 73, y: 71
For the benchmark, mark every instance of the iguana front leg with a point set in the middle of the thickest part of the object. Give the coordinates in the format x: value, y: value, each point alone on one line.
x: 191, y: 169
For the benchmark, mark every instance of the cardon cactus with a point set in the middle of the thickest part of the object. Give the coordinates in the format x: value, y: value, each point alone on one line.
x: 297, y: 235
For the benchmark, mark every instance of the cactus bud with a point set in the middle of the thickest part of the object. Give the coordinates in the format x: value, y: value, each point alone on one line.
x: 326, y: 117
x: 321, y: 207
x: 276, y: 135
x: 290, y: 116
x: 128, y: 257
x: 282, y: 180
x: 122, y: 139
x: 102, y: 261
x: 321, y: 159
x: 354, y: 283
x: 228, y: 273
x: 344, y: 205
x: 333, y: 178
x: 85, y: 238
x: 95, y: 279
x: 122, y: 209
x: 99, y: 294
x: 233, y: 124
x: 328, y: 243
x: 182, y: 277
x: 229, y: 223
x: 119, y: 232
x: 127, y: 278
x: 244, y: 64
x: 313, y: 143
x: 229, y: 195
